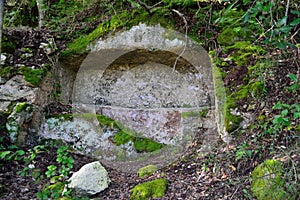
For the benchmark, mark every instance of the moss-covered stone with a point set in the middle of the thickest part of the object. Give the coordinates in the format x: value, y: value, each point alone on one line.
x: 23, y: 106
x: 146, y: 145
x: 7, y: 72
x: 147, y: 170
x: 121, y: 20
x: 63, y: 116
x: 122, y: 138
x: 267, y: 183
x: 148, y: 190
x: 33, y: 76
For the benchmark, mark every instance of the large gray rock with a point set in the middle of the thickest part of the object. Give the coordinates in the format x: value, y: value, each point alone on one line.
x: 17, y: 88
x: 91, y: 179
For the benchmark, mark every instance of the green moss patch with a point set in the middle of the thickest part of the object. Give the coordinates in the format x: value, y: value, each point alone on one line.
x: 23, y: 106
x: 148, y: 190
x: 140, y: 144
x: 146, y: 145
x: 33, y: 76
x: 64, y: 116
x: 232, y: 122
x: 122, y: 138
x: 243, y: 50
x: 7, y: 72
x: 201, y: 114
x: 118, y: 21
x: 147, y: 170
x: 267, y: 183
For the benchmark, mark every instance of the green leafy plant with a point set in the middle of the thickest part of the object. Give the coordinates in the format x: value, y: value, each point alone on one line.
x: 243, y: 151
x: 295, y: 83
x: 57, y: 175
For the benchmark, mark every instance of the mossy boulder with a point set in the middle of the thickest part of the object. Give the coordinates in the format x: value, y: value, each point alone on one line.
x: 267, y: 183
x: 21, y: 115
x: 148, y: 190
x: 33, y: 76
x: 147, y: 170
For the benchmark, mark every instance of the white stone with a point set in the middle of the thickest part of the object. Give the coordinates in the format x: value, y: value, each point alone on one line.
x: 91, y: 179
x: 2, y: 59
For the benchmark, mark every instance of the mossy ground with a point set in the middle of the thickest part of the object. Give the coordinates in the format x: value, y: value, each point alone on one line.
x: 148, y: 190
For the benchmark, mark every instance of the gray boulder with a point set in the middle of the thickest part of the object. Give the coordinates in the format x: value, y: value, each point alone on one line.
x: 91, y: 179
x: 17, y: 88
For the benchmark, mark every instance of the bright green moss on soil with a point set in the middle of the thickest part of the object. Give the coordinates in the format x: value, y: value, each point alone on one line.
x: 244, y: 49
x: 148, y: 190
x: 147, y: 170
x: 267, y: 183
x: 33, y: 76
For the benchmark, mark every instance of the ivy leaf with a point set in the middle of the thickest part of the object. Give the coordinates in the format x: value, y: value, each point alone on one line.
x: 277, y: 105
x: 247, y: 17
x: 293, y: 76
x: 295, y: 22
x: 296, y: 115
x: 282, y: 21
x: 3, y: 154
x: 284, y: 112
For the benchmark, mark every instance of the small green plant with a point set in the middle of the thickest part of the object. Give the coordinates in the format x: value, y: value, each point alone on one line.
x: 243, y: 151
x: 57, y: 175
x: 295, y: 83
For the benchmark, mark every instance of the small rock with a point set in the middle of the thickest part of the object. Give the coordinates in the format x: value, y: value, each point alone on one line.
x: 2, y: 59
x: 91, y: 179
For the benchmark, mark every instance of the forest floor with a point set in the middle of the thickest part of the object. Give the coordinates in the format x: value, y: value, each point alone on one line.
x: 225, y: 171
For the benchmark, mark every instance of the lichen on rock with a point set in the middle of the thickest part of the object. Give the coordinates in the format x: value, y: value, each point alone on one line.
x: 16, y: 121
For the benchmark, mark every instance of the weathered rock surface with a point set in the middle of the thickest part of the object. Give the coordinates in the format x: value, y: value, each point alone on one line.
x: 16, y: 122
x: 91, y: 179
x: 17, y: 88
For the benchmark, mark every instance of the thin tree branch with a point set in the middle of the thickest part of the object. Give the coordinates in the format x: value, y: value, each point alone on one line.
x: 186, y: 37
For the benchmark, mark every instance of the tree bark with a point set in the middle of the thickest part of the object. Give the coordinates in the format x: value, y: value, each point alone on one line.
x: 41, y: 9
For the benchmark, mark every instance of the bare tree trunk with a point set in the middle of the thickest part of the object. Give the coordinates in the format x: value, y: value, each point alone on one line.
x: 41, y: 9
x: 1, y: 23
